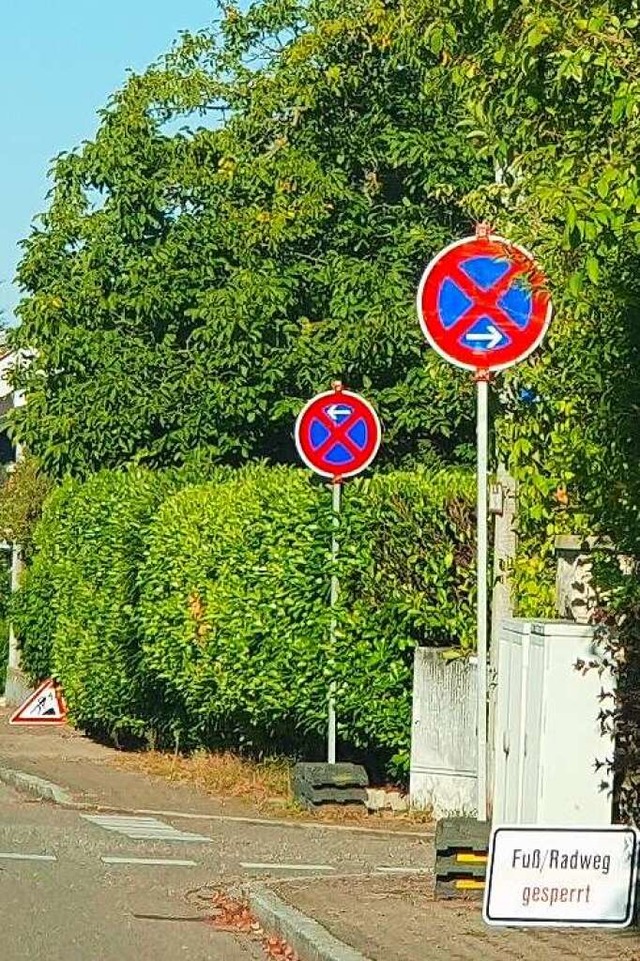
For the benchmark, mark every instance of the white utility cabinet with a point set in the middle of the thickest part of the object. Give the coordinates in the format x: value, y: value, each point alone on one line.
x: 547, y: 732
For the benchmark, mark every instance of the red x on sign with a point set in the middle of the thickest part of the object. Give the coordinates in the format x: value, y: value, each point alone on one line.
x: 483, y: 303
x: 337, y: 433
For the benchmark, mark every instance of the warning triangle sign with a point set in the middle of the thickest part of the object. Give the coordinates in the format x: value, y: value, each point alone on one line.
x: 44, y: 706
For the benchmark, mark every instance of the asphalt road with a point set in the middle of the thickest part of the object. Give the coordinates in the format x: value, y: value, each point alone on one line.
x: 76, y: 889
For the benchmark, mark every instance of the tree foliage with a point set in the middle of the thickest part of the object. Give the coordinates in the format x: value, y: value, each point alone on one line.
x: 22, y: 494
x: 190, y: 287
x: 556, y: 89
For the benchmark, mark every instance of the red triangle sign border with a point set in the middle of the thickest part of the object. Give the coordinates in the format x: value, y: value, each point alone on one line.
x: 49, y: 686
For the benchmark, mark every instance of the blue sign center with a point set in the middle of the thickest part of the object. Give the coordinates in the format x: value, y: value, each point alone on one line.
x: 338, y: 435
x: 487, y: 301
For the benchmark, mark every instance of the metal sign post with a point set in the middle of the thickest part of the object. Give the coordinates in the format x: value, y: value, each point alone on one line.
x: 483, y: 305
x: 336, y: 489
x: 482, y: 437
x: 337, y: 435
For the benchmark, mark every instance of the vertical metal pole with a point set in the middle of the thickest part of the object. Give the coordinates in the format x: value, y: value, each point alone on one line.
x: 16, y: 569
x: 13, y: 661
x: 482, y: 381
x: 331, y: 738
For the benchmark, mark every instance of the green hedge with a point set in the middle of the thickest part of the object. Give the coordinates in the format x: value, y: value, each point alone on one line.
x: 408, y: 578
x: 34, y: 607
x: 75, y: 615
x: 198, y: 614
x: 5, y: 595
x: 234, y: 611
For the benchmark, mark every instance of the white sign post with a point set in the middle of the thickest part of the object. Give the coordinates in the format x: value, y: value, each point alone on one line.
x: 483, y: 306
x: 337, y: 435
x: 562, y: 877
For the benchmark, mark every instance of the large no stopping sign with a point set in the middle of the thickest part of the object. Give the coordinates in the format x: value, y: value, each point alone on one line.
x: 483, y: 303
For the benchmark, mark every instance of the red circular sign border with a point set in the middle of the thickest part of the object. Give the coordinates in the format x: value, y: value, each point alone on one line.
x: 488, y: 366
x: 368, y: 411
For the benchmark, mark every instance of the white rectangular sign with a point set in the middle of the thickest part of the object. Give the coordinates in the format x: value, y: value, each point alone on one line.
x: 582, y: 877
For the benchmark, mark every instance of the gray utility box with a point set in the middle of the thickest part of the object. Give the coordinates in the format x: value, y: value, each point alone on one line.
x: 547, y: 732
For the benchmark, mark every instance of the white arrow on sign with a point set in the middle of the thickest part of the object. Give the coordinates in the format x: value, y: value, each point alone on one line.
x: 336, y: 411
x: 492, y: 337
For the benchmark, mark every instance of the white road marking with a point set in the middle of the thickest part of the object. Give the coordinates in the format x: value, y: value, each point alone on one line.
x: 169, y: 861
x: 391, y: 870
x: 281, y: 823
x: 28, y: 857
x: 287, y: 867
x: 143, y: 829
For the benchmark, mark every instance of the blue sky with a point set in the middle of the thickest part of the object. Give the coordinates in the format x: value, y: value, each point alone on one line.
x: 59, y: 62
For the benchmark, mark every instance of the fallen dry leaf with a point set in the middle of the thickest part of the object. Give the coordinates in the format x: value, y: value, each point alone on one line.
x: 233, y: 916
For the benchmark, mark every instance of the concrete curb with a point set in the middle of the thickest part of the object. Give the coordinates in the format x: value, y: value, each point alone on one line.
x: 38, y: 787
x: 306, y: 936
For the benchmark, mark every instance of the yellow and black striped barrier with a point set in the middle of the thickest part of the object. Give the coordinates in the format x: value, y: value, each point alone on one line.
x: 462, y: 846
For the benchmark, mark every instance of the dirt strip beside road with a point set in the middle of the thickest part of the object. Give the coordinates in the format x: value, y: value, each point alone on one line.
x: 397, y: 919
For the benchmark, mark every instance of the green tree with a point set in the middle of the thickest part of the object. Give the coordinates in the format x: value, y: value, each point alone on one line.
x: 554, y: 99
x: 190, y: 287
